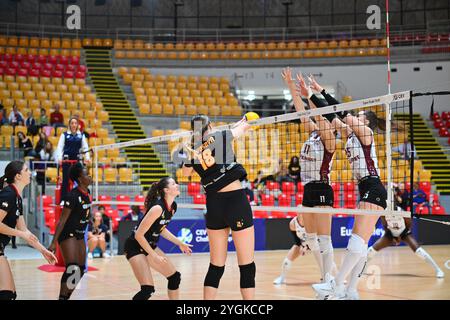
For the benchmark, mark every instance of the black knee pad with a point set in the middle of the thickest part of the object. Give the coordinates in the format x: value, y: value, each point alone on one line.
x: 213, y: 276
x: 7, y: 295
x: 248, y: 272
x: 145, y: 293
x: 174, y: 281
x: 73, y: 272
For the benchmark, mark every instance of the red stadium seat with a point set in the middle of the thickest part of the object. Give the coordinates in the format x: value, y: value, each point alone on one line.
x: 443, y: 132
x: 445, y: 115
x: 25, y: 65
x: 59, y: 67
x: 288, y: 188
x: 11, y: 71
x: 407, y: 186
x: 2, y: 71
x: 34, y: 73
x: 37, y: 65
x: 19, y: 57
x: 426, y: 187
x: 30, y: 58
x: 421, y: 209
x: 438, y: 124
x: 349, y: 186
x: 74, y: 60
x: 349, y: 200
x: 14, y: 65
x: 193, y: 188
x: 3, y: 64
x: 300, y: 187
x: 435, y: 116
x: 434, y: 198
x: 82, y: 69
x: 284, y: 200
x: 140, y: 198
x: 267, y: 200
x: 200, y: 199
x: 438, y: 209
x: 123, y: 198
x: 8, y: 57
x: 52, y: 59
x: 46, y: 73
x: 47, y: 200
x: 80, y: 75
x: 336, y: 193
x: 63, y: 60
x: 70, y: 67
x: 23, y: 72
x: 41, y: 59
x: 68, y: 75
x: 115, y: 218
x: 48, y: 66
x: 272, y: 185
x: 105, y: 198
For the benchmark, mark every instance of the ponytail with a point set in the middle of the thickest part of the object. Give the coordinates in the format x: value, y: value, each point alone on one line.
x: 12, y: 169
x: 156, y: 192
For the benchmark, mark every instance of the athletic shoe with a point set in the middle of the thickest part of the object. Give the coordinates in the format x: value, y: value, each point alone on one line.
x: 90, y: 256
x: 440, y: 274
x: 328, y: 290
x: 106, y: 255
x: 279, y: 280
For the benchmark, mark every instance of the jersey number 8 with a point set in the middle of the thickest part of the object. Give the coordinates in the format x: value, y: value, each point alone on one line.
x: 207, y: 160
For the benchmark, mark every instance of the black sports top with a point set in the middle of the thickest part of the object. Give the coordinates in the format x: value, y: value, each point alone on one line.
x: 153, y: 233
x: 11, y: 202
x: 217, y: 166
x: 80, y: 204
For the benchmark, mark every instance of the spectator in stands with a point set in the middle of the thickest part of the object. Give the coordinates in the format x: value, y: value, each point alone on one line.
x: 294, y: 169
x: 398, y: 198
x: 97, y: 236
x: 420, y: 198
x: 282, y: 174
x: 56, y: 118
x: 25, y: 145
x: 405, y: 150
x: 42, y: 142
x: 72, y: 146
x: 106, y: 220
x: 16, y: 117
x: 134, y: 215
x: 47, y: 154
x: 30, y: 123
x: 259, y: 184
x: 43, y: 119
x: 3, y: 116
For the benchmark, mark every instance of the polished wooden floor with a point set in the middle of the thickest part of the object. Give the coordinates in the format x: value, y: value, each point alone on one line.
x: 402, y: 276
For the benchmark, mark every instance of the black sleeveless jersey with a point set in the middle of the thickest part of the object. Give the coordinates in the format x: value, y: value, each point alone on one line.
x: 80, y: 205
x: 11, y: 202
x: 152, y: 235
x: 216, y: 162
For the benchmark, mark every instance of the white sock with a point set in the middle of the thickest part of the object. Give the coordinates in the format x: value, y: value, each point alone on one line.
x: 326, y: 251
x: 355, y: 249
x: 285, y: 267
x: 357, y: 272
x: 313, y: 245
x: 421, y: 253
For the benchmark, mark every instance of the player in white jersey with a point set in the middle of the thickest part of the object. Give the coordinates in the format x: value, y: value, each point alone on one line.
x: 361, y: 154
x: 298, y: 249
x: 398, y: 229
x: 315, y: 161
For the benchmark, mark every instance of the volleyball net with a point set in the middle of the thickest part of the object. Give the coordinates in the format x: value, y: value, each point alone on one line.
x: 271, y: 152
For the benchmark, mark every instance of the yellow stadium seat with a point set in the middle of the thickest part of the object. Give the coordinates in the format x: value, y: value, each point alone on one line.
x: 236, y: 111
x: 108, y: 140
x: 214, y: 111
x: 156, y: 108
x: 110, y: 175
x: 202, y: 109
x: 180, y: 109
x: 168, y: 109
x: 226, y: 111
x: 102, y: 133
x: 51, y: 173
x: 191, y: 109
x: 125, y: 175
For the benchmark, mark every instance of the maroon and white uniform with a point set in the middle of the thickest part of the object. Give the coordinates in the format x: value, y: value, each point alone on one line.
x: 315, y: 160
x: 363, y: 159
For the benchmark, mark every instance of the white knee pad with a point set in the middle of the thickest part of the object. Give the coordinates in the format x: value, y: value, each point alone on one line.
x: 312, y: 241
x: 325, y: 244
x: 356, y: 244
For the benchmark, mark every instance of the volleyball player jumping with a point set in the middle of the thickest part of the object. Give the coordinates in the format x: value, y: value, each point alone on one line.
x: 12, y: 224
x: 141, y: 247
x: 360, y: 151
x: 315, y: 161
x: 227, y: 206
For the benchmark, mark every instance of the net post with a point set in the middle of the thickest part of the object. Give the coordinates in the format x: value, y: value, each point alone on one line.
x: 413, y: 153
x: 388, y: 156
x: 96, y: 172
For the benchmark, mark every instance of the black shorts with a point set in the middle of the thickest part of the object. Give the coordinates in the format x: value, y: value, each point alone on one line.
x: 297, y: 240
x: 67, y: 235
x: 372, y: 190
x: 228, y: 209
x: 317, y: 193
x: 133, y: 248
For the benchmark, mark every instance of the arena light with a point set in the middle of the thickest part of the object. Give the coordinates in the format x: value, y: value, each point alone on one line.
x: 250, y: 95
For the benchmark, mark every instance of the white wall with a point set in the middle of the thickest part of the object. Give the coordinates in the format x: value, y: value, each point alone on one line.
x: 361, y: 81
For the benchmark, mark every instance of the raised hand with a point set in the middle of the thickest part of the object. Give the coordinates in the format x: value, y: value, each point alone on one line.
x: 286, y: 74
x: 314, y: 84
x: 302, y: 87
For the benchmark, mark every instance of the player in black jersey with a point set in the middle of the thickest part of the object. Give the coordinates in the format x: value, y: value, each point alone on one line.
x: 71, y: 229
x: 227, y: 206
x: 141, y: 247
x: 17, y: 176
